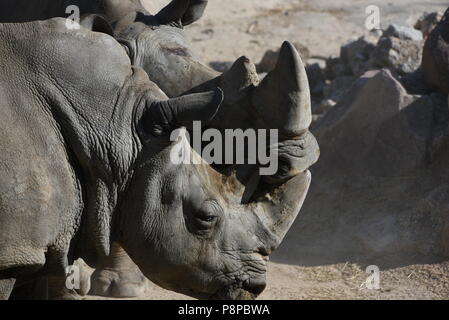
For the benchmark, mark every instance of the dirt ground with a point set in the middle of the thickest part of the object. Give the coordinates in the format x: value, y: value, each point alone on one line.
x: 340, y: 282
x: 233, y: 28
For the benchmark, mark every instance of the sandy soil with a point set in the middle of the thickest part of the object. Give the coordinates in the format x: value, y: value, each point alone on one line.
x: 340, y: 282
x: 233, y: 28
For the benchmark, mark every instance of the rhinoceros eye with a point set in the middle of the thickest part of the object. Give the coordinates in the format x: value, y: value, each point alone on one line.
x: 178, y: 51
x: 206, y: 217
x: 208, y: 212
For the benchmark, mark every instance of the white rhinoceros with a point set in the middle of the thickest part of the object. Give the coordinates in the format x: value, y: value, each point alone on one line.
x: 86, y: 161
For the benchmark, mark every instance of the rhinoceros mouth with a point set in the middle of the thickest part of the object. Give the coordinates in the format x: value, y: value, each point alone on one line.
x: 225, y: 293
x: 232, y: 293
x: 249, y: 289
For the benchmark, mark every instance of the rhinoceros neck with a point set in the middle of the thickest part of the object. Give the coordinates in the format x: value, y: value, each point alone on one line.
x: 90, y: 92
x: 105, y: 146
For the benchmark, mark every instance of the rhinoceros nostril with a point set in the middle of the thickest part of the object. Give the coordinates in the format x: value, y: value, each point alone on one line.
x: 265, y: 252
x: 255, y: 286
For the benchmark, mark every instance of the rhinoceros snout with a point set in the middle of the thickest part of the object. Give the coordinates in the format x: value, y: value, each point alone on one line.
x: 255, y: 286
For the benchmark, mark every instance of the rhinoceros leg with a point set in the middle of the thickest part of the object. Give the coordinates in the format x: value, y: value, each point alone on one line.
x: 57, y: 289
x: 48, y: 288
x: 6, y: 286
x: 118, y: 276
x: 34, y: 290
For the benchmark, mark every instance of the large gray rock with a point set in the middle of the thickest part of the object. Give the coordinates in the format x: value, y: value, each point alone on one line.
x: 356, y: 54
x: 381, y: 190
x: 402, y: 56
x: 335, y: 89
x: 403, y: 32
x: 398, y: 49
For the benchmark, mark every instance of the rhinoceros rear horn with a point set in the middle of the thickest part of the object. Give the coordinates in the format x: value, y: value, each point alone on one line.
x: 162, y: 117
x: 282, y: 100
x: 182, y: 12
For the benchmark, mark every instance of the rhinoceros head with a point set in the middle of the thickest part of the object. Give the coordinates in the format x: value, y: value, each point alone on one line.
x: 158, y: 44
x: 207, y: 232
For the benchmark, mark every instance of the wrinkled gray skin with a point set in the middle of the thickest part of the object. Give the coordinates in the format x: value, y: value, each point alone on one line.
x: 116, y: 276
x: 157, y: 43
x: 100, y: 173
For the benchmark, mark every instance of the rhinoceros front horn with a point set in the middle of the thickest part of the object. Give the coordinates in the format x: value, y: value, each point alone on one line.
x: 282, y: 100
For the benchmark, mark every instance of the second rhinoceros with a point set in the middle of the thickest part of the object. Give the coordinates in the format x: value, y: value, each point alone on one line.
x: 86, y: 161
x: 155, y: 42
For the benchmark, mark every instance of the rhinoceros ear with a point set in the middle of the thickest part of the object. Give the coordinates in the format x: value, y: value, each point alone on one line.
x: 182, y: 12
x: 162, y: 117
x: 194, y: 12
x: 96, y: 23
